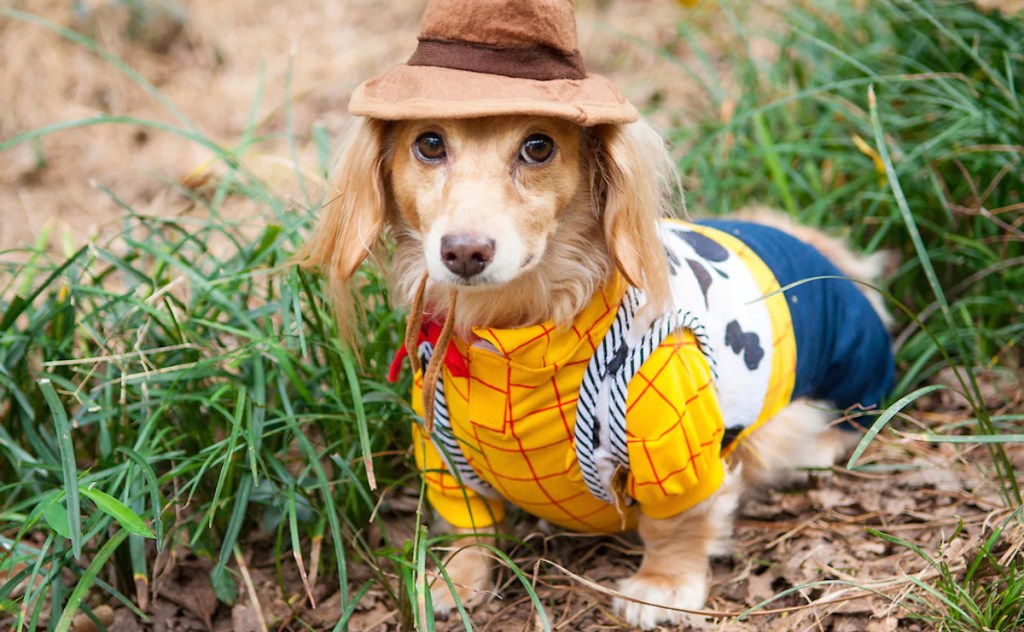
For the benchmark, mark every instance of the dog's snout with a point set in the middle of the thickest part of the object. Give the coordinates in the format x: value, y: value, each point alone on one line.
x: 466, y: 254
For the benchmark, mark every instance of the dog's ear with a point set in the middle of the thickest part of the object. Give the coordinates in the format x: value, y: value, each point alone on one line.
x: 352, y: 219
x: 633, y: 165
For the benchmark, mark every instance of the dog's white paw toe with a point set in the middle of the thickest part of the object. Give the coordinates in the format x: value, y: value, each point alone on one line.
x: 675, y: 592
x: 442, y: 600
x: 469, y: 570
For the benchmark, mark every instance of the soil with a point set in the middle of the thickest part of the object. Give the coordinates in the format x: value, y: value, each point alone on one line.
x: 218, y: 66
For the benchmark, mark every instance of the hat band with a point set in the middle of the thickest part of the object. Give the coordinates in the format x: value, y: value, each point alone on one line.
x: 542, y: 63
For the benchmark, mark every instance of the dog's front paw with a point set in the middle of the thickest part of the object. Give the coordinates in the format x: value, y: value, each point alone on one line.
x: 470, y: 573
x: 687, y: 592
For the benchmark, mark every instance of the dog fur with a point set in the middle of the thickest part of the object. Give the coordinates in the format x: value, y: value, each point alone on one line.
x: 561, y: 229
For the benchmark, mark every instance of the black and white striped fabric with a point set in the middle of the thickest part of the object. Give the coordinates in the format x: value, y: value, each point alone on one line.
x: 444, y: 438
x: 600, y: 432
x: 611, y: 352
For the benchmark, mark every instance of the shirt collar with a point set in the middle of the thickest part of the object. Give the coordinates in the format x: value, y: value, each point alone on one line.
x: 546, y: 344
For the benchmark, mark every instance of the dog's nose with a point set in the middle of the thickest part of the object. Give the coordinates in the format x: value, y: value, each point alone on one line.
x: 466, y: 254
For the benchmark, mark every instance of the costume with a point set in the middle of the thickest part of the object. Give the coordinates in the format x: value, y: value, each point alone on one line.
x: 508, y: 401
x: 511, y: 396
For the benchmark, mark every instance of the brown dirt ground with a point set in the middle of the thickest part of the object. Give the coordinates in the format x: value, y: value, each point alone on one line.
x: 210, y: 66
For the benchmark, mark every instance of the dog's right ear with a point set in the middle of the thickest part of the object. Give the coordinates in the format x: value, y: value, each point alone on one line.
x: 352, y: 219
x: 633, y: 166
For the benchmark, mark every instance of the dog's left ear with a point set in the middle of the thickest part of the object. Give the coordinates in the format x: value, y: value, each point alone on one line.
x: 353, y: 218
x: 632, y: 163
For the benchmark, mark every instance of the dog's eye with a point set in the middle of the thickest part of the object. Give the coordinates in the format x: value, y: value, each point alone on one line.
x: 537, y: 149
x: 429, y: 147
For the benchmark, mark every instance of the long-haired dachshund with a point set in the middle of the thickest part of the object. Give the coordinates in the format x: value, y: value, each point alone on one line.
x: 580, y: 356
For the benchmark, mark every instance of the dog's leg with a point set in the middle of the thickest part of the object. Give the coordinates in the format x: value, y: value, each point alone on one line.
x: 675, y: 567
x: 799, y: 436
x: 469, y: 568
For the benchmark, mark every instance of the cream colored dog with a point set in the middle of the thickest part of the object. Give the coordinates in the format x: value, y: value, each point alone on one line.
x: 526, y: 218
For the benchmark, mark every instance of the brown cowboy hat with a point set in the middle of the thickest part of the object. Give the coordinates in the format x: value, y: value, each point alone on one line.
x: 491, y: 57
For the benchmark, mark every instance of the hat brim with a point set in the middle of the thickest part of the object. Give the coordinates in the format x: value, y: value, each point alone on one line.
x: 426, y: 92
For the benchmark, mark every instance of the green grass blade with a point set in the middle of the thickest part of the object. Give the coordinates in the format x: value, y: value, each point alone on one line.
x: 771, y: 159
x: 85, y: 582
x: 28, y: 274
x: 1006, y: 438
x: 236, y: 430
x: 424, y: 613
x: 155, y: 497
x: 467, y: 623
x: 347, y: 613
x: 887, y: 416
x: 289, y: 124
x: 69, y: 467
x: 128, y: 519
x: 140, y: 568
x: 330, y: 508
x: 361, y: 426
x: 46, y: 130
x: 293, y: 531
x: 223, y: 585
x: 17, y: 307
x: 257, y: 416
x: 37, y: 573
x: 56, y: 515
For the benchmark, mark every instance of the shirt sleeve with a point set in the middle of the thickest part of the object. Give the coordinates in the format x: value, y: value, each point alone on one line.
x: 675, y: 429
x: 458, y: 505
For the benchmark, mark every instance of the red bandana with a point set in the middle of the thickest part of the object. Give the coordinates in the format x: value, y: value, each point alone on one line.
x: 430, y: 332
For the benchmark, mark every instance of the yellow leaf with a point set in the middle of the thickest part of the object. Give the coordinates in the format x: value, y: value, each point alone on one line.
x: 871, y: 153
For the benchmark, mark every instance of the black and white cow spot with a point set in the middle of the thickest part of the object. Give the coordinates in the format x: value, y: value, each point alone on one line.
x: 673, y: 261
x: 707, y: 249
x: 704, y: 246
x: 747, y: 343
x: 703, y: 277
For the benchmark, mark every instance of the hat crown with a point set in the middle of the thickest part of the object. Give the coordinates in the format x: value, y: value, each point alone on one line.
x: 502, y: 23
x: 480, y: 58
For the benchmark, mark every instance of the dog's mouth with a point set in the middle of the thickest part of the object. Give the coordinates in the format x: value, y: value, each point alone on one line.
x: 469, y: 284
x: 486, y: 280
x: 475, y: 262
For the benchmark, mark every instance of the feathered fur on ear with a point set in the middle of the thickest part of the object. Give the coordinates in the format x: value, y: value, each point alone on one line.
x: 634, y: 169
x: 352, y: 220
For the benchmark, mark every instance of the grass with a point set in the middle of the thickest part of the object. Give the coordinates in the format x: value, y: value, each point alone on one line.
x: 802, y: 138
x: 179, y: 384
x: 904, y: 123
x: 985, y: 595
x: 184, y: 362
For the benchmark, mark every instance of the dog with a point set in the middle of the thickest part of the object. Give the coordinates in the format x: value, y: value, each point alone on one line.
x: 582, y: 356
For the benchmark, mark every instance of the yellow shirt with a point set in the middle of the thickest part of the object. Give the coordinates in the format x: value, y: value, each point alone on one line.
x: 515, y: 412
